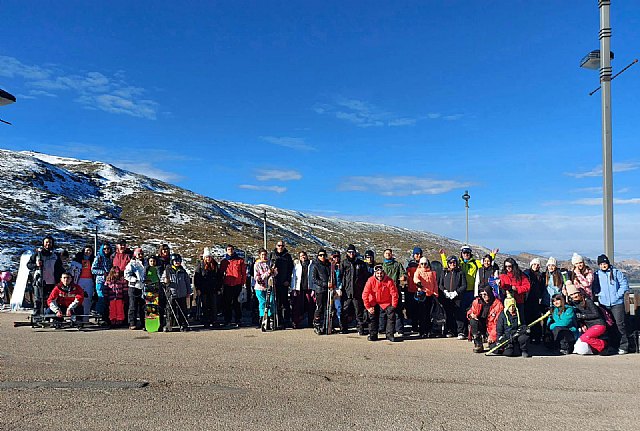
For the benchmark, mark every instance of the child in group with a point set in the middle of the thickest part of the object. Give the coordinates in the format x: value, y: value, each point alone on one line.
x: 511, y: 326
x: 115, y: 289
x: 563, y: 325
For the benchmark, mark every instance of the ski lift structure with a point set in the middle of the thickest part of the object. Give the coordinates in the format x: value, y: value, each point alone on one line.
x: 6, y: 99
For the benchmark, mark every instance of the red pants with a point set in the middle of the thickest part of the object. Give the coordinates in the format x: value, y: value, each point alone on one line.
x: 116, y: 311
x: 591, y: 338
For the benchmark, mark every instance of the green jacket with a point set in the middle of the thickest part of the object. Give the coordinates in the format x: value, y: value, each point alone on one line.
x: 394, y: 270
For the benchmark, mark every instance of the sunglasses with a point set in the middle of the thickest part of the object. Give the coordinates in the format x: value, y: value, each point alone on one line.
x: 279, y: 245
x: 484, y: 294
x: 508, y: 266
x: 321, y: 255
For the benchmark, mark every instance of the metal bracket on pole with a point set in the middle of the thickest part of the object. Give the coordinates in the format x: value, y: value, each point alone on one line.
x: 614, y: 76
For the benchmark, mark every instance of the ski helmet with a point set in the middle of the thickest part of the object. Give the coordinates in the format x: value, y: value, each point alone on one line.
x: 175, y: 257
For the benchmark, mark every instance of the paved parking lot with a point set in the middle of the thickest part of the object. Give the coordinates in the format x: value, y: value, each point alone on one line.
x: 244, y: 379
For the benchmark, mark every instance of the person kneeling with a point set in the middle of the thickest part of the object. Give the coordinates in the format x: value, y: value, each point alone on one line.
x: 65, y: 297
x: 510, y: 327
x: 562, y: 324
x: 483, y: 317
x: 380, y: 293
x: 590, y: 322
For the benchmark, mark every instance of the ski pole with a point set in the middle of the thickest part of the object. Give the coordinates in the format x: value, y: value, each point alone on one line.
x: 497, y: 346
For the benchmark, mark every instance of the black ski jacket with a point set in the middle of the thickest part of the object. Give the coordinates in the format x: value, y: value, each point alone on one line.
x: 284, y: 265
x: 354, y: 274
x: 454, y: 281
x: 320, y: 275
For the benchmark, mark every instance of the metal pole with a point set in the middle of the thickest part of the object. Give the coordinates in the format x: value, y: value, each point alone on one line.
x: 466, y: 198
x: 264, y: 232
x: 607, y: 163
x: 95, y: 242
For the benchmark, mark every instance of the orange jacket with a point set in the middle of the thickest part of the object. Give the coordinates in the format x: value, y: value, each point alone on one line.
x: 383, y: 293
x: 428, y: 279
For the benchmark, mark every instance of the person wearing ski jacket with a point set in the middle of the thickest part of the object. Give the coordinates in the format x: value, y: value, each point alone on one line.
x: 83, y: 260
x: 178, y: 284
x: 380, y: 295
x: 582, y: 275
x: 553, y: 282
x: 206, y: 282
x: 468, y: 265
x: 452, y: 286
x: 301, y: 298
x: 533, y: 307
x: 262, y: 271
x: 283, y: 261
x: 65, y: 297
x: 321, y: 275
x: 100, y: 268
x: 135, y: 273
x: 488, y: 270
x: 511, y: 326
x: 483, y: 317
x: 354, y: 274
x: 589, y: 318
x: 122, y: 255
x: 234, y: 271
x: 394, y: 270
x: 116, y: 290
x: 426, y: 282
x: 562, y: 324
x: 514, y: 282
x: 609, y: 286
x: 411, y: 304
x: 47, y: 267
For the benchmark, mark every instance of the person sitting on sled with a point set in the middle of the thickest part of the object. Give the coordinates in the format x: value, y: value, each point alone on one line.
x: 65, y: 298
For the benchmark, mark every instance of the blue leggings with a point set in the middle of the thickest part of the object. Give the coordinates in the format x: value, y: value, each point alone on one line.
x: 262, y: 299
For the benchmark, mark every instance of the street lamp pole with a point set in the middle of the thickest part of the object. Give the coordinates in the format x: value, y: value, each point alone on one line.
x: 466, y: 198
x: 607, y: 163
x: 264, y: 228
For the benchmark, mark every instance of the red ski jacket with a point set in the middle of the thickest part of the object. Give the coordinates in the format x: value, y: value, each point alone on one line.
x: 63, y: 298
x: 492, y: 317
x: 383, y: 293
x: 508, y: 281
x: 234, y: 270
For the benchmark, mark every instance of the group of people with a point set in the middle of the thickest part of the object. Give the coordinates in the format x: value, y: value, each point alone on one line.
x: 577, y: 310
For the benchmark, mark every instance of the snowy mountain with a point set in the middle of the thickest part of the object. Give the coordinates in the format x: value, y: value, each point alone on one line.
x: 69, y: 198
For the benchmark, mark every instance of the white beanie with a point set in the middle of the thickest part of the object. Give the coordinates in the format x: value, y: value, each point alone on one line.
x: 576, y: 258
x: 552, y: 261
x: 206, y: 252
x: 535, y: 260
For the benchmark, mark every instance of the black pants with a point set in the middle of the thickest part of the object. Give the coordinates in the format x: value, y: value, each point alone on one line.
x: 390, y: 313
x: 563, y: 338
x: 421, y: 318
x: 41, y: 295
x: 619, y: 337
x: 517, y: 346
x: 284, y: 308
x: 178, y: 306
x: 355, y: 302
x: 208, y: 302
x: 321, y: 309
x: 478, y: 329
x: 455, y: 316
x: 231, y: 304
x: 136, y: 307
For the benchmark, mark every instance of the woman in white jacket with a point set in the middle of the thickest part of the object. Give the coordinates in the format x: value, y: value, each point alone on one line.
x: 134, y: 273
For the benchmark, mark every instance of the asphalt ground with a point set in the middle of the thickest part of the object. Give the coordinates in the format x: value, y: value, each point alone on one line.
x: 243, y: 379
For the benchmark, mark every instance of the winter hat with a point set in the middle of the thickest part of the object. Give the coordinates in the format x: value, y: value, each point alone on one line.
x: 369, y: 253
x: 351, y: 247
x: 571, y: 288
x: 508, y: 302
x: 417, y: 250
x: 576, y: 258
x: 452, y: 258
x: 603, y: 259
x: 424, y: 260
x: 552, y: 261
x: 206, y: 252
x: 335, y: 253
x: 465, y: 248
x: 535, y: 260
x: 137, y: 251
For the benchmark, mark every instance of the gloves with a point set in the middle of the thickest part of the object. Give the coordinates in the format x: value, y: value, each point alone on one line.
x: 453, y: 295
x: 580, y: 316
x: 173, y: 292
x: 419, y: 284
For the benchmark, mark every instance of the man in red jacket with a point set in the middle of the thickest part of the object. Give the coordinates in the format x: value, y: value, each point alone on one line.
x: 234, y: 276
x: 380, y: 293
x: 66, y: 297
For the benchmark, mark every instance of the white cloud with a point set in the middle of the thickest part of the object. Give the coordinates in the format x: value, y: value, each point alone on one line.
x: 598, y: 201
x: 93, y: 90
x: 289, y: 142
x: 278, y: 174
x: 597, y: 171
x: 400, y: 186
x: 150, y: 171
x: 274, y: 189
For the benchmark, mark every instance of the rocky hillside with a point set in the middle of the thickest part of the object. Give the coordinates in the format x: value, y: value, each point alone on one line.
x: 69, y: 198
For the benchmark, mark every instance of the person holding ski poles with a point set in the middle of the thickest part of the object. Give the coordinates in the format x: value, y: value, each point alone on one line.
x: 262, y: 271
x: 510, y: 326
x: 178, y: 285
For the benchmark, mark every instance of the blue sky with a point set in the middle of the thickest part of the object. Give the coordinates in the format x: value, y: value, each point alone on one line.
x: 375, y: 111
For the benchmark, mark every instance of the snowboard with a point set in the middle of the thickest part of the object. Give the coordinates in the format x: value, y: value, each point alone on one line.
x: 21, y: 283
x: 152, y: 307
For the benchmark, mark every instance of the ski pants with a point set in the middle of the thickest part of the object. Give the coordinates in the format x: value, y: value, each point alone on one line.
x: 478, y: 329
x: 517, y: 346
x: 297, y: 307
x: 88, y: 286
x: 284, y: 308
x: 231, y: 305
x: 357, y: 304
x: 619, y: 337
x: 262, y: 301
x: 209, y: 306
x: 455, y: 316
x: 321, y: 309
x: 564, y: 338
x: 179, y: 307
x: 42, y: 294
x: 136, y: 307
x: 591, y: 337
x: 422, y: 315
x: 390, y: 312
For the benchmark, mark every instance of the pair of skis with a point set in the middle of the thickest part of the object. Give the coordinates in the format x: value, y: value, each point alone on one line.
x: 330, y: 299
x: 266, y: 325
x: 516, y: 334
